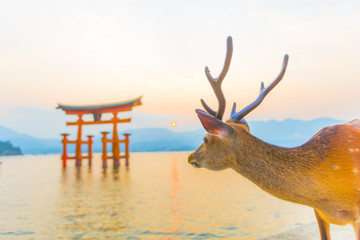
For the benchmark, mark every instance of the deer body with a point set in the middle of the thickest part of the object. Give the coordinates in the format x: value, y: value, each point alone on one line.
x: 323, y: 173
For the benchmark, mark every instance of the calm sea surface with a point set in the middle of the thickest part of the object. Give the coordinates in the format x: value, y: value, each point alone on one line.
x: 159, y: 196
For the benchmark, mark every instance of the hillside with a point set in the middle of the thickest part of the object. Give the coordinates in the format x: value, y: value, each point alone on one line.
x: 7, y: 149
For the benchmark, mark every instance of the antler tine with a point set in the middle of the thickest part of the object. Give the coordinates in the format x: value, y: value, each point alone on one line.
x: 216, y: 83
x: 236, y: 117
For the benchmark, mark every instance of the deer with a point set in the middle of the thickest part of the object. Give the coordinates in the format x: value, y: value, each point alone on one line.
x: 323, y: 173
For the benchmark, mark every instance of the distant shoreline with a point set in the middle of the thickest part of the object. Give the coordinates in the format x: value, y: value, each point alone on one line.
x: 97, y: 154
x: 286, y: 133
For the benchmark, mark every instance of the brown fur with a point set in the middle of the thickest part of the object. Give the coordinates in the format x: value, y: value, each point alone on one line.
x: 323, y: 173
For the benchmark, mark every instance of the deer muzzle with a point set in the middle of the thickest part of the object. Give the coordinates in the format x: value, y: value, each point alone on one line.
x: 193, y: 161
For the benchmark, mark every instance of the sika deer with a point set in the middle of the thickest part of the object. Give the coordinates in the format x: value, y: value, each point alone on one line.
x: 323, y: 173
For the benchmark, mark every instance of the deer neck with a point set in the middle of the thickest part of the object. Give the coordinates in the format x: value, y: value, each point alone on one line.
x: 274, y: 169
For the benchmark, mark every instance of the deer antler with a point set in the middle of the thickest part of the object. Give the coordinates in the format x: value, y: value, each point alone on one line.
x: 216, y: 83
x: 237, y: 116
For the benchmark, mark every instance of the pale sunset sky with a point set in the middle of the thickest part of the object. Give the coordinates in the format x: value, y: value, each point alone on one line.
x: 93, y: 52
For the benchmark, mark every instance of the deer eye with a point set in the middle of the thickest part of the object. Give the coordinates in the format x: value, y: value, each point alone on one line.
x: 206, y: 140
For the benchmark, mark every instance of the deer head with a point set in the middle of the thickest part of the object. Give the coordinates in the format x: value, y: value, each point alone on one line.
x: 217, y: 150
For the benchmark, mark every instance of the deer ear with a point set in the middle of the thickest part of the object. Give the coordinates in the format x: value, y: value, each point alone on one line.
x: 212, y: 124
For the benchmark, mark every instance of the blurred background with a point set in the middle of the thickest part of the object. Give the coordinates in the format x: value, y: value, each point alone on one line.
x: 90, y: 52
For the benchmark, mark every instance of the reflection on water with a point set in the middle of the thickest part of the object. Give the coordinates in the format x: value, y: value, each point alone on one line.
x: 159, y: 196
x: 94, y: 203
x: 175, y: 204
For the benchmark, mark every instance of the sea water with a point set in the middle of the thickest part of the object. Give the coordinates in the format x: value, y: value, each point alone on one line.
x: 158, y: 196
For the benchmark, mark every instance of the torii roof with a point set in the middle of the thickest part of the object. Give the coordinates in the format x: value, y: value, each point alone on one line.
x: 123, y: 106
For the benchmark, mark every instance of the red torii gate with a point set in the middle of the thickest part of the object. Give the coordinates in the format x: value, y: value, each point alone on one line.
x: 97, y: 111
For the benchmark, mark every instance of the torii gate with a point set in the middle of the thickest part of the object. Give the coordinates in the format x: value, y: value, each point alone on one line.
x: 97, y: 111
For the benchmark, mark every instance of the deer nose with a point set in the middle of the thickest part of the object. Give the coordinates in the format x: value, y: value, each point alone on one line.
x: 193, y: 161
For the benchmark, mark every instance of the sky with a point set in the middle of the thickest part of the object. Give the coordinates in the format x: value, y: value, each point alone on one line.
x: 92, y: 52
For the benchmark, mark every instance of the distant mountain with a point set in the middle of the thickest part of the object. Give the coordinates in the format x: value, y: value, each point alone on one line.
x: 287, y: 133
x: 30, y: 144
x: 290, y: 132
x: 160, y: 139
